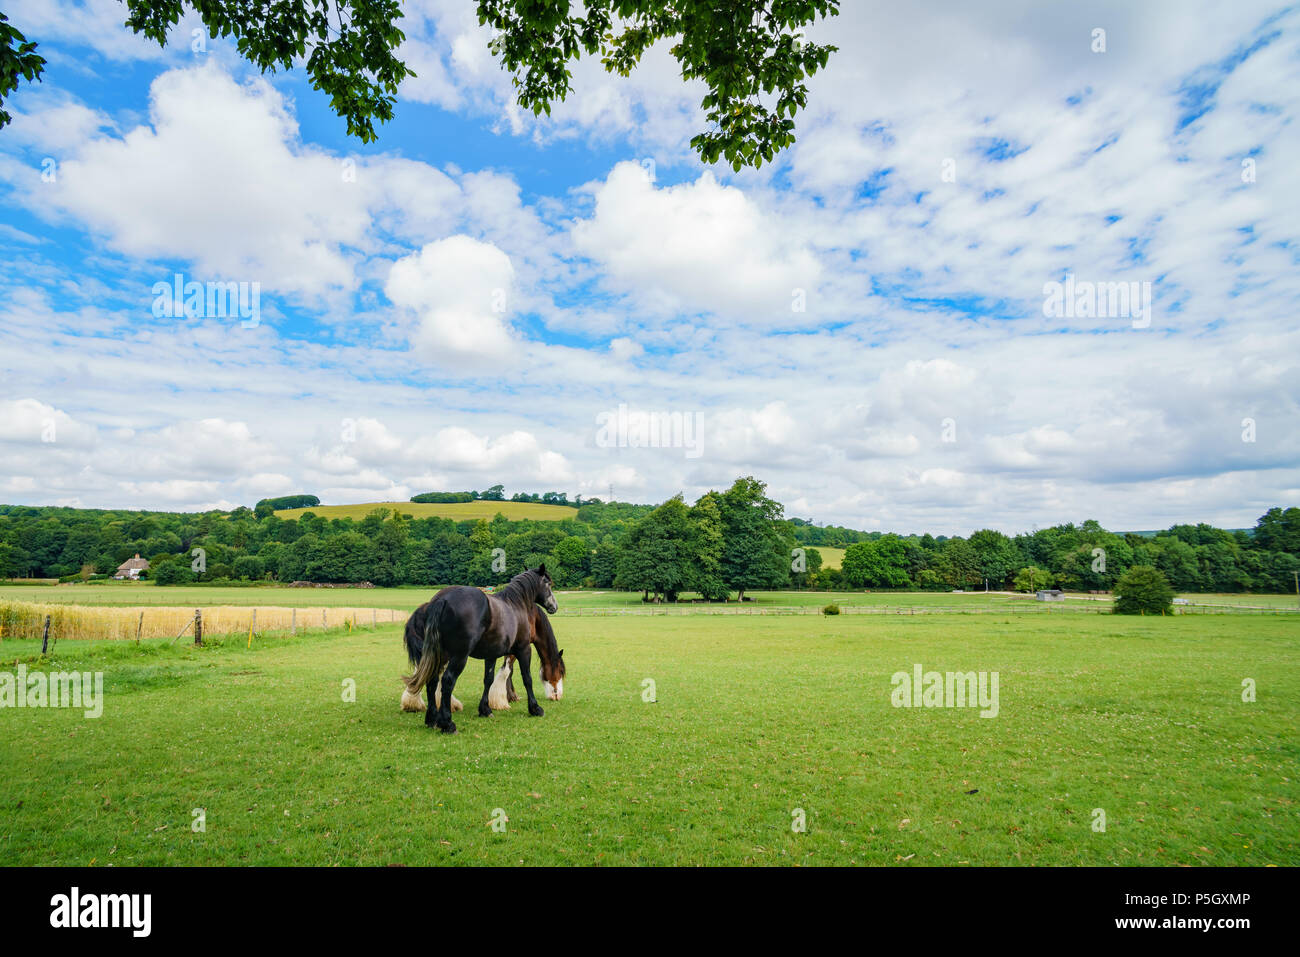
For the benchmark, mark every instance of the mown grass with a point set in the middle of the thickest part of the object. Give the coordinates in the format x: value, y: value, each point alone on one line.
x: 459, y: 511
x: 752, y: 718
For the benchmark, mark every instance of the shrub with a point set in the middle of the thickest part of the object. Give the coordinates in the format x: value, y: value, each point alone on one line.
x: 831, y: 609
x: 1143, y: 590
x: 1033, y: 578
x: 172, y: 573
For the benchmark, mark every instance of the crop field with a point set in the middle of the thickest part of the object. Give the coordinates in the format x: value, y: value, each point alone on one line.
x: 459, y: 511
x: 680, y: 740
x: 119, y: 622
x: 146, y: 595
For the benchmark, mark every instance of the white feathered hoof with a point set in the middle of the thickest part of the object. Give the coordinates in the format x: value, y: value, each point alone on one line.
x: 498, y: 699
x: 437, y: 701
x: 412, y: 702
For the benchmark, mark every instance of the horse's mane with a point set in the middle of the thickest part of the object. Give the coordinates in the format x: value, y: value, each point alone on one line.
x: 521, y: 589
x: 547, y: 645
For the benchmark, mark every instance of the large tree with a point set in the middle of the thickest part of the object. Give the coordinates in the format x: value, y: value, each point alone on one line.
x: 879, y: 564
x: 1278, y: 530
x: 996, y: 555
x: 756, y: 546
x: 656, y: 555
x: 749, y: 54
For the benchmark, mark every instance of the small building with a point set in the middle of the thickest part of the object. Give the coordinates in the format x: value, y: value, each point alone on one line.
x: 1049, y: 594
x: 132, y: 567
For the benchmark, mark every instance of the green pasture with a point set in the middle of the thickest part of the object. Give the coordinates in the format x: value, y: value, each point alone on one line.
x: 749, y: 720
x: 608, y: 601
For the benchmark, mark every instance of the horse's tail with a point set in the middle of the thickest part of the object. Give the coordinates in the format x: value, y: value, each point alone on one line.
x: 432, y: 659
x: 414, y: 637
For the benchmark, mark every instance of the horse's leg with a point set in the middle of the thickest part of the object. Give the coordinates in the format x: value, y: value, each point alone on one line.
x: 489, y: 675
x: 443, y: 717
x: 511, y: 693
x: 526, y: 671
x: 497, y: 698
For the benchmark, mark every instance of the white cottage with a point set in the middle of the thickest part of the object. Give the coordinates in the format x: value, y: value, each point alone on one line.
x: 132, y: 567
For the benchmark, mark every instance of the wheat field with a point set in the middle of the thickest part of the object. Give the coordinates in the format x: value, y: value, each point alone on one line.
x: 21, y: 619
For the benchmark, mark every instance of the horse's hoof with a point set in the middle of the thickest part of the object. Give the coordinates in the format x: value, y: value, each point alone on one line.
x: 450, y: 728
x: 536, y: 710
x: 484, y: 711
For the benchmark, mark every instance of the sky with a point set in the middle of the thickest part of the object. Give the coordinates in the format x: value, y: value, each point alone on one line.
x: 868, y: 324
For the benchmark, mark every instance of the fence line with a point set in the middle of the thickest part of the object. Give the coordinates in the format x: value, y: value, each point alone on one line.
x: 906, y: 610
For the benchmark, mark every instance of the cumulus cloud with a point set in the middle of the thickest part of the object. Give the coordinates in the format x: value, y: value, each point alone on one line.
x: 460, y: 289
x: 694, y: 247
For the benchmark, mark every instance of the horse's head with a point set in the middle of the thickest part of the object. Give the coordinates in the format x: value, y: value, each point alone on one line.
x: 544, y: 596
x: 549, y: 655
x: 553, y: 677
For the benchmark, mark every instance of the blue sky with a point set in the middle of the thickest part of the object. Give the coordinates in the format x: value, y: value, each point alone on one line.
x: 860, y: 324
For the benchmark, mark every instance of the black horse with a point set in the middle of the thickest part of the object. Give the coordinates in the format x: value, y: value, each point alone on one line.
x: 460, y: 623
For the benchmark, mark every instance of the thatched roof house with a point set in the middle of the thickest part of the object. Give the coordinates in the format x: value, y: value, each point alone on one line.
x: 132, y: 567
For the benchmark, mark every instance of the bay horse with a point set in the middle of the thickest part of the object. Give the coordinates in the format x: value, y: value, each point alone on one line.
x: 549, y: 656
x: 460, y: 623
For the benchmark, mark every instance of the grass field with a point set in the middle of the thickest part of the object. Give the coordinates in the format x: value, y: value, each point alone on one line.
x: 753, y: 718
x: 592, y: 602
x: 460, y: 511
x: 831, y: 557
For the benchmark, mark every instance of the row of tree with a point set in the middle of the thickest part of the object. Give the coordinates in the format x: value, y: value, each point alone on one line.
x: 725, y: 543
x: 497, y: 493
x: 1087, y: 557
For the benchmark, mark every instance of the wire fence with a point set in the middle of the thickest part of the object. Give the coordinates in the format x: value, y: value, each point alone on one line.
x: 1024, y: 608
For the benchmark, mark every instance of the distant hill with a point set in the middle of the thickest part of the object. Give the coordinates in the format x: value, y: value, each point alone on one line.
x: 831, y: 557
x: 1152, y: 533
x: 457, y: 511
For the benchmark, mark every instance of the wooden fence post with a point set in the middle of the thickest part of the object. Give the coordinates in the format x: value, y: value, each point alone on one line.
x: 323, y: 623
x: 45, y: 635
x: 139, y: 627
x: 198, y: 627
x: 293, y: 621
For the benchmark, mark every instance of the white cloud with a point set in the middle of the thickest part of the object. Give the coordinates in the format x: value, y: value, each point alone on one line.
x: 460, y: 288
x: 696, y: 246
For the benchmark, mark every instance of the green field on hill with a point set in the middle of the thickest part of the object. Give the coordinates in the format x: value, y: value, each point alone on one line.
x: 458, y: 511
x: 750, y: 724
x: 831, y: 557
